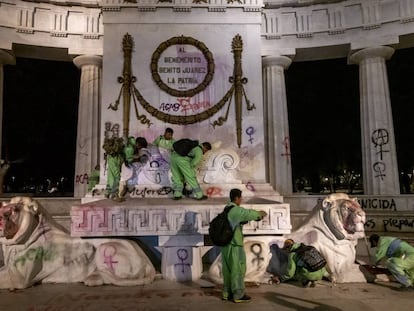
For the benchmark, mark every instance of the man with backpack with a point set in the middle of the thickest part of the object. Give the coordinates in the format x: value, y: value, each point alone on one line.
x: 186, y: 155
x: 165, y: 141
x: 305, y: 264
x: 233, y: 255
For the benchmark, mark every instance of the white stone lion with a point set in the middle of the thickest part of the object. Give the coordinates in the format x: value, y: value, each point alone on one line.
x: 36, y: 249
x: 333, y: 227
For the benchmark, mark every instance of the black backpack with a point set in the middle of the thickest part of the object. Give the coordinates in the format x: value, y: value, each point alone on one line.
x: 184, y: 146
x: 220, y: 230
x: 309, y: 257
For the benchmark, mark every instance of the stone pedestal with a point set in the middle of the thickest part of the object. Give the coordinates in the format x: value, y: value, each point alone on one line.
x: 182, y: 263
x: 181, y: 227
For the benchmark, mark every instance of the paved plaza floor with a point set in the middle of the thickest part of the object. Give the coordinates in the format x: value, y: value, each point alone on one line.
x: 203, y: 296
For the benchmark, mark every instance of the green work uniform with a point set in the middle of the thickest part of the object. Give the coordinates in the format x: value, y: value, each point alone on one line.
x: 114, y: 158
x: 233, y: 255
x: 129, y: 150
x: 296, y: 271
x: 161, y: 142
x: 93, y: 179
x: 183, y: 170
x: 114, y: 163
x: 400, y: 258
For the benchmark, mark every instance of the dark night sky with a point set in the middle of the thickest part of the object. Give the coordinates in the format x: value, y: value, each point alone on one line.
x: 41, y: 99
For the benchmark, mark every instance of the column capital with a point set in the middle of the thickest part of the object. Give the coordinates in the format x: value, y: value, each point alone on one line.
x: 283, y: 61
x: 378, y: 51
x: 7, y: 58
x: 83, y: 60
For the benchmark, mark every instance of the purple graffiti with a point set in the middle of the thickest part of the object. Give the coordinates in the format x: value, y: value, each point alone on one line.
x: 182, y: 255
x: 250, y: 131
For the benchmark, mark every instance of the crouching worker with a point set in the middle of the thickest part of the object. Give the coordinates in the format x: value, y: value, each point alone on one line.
x: 399, y: 258
x: 305, y: 264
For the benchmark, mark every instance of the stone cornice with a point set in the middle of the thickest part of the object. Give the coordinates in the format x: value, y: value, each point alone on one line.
x: 183, y: 5
x: 84, y: 3
x: 335, y: 19
x: 337, y: 26
x: 341, y: 27
x: 268, y: 3
x: 297, y: 3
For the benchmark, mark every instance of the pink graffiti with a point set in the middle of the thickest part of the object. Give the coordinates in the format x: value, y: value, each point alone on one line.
x: 187, y: 106
x: 214, y: 191
x: 108, y: 258
x: 286, y: 144
x: 82, y: 179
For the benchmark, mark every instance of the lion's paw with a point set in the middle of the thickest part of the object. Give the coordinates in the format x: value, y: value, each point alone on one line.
x: 94, y: 279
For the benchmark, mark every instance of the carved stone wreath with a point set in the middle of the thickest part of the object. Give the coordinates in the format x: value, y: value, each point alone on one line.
x: 182, y: 41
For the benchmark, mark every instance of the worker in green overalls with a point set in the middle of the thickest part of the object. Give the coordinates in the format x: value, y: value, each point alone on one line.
x: 183, y: 170
x: 296, y: 269
x: 233, y: 255
x: 114, y: 154
x: 94, y: 178
x: 399, y: 257
x: 165, y: 141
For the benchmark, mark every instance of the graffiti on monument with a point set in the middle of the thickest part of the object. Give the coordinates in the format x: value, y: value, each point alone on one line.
x: 380, y: 138
x: 372, y: 203
x: 390, y: 224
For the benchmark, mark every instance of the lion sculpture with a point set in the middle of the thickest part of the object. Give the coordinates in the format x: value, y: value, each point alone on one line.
x: 333, y: 227
x: 37, y: 249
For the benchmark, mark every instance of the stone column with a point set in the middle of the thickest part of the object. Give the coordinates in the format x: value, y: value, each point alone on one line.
x: 379, y: 166
x: 276, y: 123
x: 5, y: 59
x: 87, y: 141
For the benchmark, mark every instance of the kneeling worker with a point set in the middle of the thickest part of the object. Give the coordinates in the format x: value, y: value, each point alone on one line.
x: 298, y: 269
x: 399, y: 257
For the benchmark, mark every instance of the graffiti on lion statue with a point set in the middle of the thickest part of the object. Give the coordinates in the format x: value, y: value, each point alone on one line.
x: 37, y: 249
x: 333, y: 227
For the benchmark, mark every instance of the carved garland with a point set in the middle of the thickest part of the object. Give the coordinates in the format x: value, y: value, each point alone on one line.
x: 128, y: 88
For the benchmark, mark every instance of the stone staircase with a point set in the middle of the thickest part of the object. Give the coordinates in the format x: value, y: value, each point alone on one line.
x: 382, y: 221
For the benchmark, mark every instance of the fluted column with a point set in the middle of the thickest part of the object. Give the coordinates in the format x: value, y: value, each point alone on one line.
x: 87, y: 141
x: 380, y: 168
x: 5, y: 59
x: 276, y: 123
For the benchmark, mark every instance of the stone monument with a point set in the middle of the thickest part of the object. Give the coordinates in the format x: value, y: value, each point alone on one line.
x: 199, y: 74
